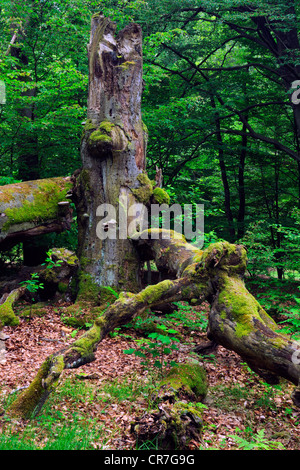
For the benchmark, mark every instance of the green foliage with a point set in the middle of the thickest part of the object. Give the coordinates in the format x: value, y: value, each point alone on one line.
x: 258, y: 442
x: 162, y: 346
x: 50, y: 263
x: 33, y: 284
x: 187, y: 317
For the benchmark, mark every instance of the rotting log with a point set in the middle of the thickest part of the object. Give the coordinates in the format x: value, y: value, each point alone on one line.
x: 236, y: 320
x: 7, y: 301
x: 176, y: 420
x: 34, y: 208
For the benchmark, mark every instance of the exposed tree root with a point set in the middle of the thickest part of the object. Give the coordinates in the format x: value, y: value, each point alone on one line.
x: 236, y: 319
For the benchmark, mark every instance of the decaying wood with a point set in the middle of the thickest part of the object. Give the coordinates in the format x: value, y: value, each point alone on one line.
x: 240, y: 324
x: 7, y: 301
x: 34, y: 208
x: 113, y: 150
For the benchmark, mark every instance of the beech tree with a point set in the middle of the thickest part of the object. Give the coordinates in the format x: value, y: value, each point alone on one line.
x: 113, y: 165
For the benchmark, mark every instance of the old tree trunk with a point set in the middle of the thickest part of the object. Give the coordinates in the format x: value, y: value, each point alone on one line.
x: 113, y: 173
x: 113, y: 157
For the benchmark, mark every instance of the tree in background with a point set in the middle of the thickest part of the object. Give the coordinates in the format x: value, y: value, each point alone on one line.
x: 44, y: 67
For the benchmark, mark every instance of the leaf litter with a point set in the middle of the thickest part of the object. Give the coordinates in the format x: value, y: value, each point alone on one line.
x: 238, y: 403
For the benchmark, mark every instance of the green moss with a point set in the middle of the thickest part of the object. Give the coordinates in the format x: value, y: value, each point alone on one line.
x: 79, y: 314
x: 226, y: 256
x: 107, y: 295
x: 151, y: 294
x: 65, y: 255
x: 85, y: 345
x: 161, y: 196
x: 89, y: 125
x: 62, y: 287
x: 35, y: 310
x: 102, y: 134
x: 106, y: 126
x: 145, y: 128
x: 38, y: 202
x: 186, y: 380
x: 28, y: 400
x: 98, y: 136
x: 145, y: 191
x: 236, y: 302
x: 88, y: 290
x: 198, y: 257
x: 7, y: 315
x: 85, y: 180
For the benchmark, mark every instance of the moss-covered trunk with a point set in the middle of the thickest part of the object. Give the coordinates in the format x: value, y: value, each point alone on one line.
x: 113, y: 156
x: 176, y: 419
x: 34, y: 208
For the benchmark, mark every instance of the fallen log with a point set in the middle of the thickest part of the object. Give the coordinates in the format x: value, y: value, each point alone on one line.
x: 34, y: 208
x: 176, y: 420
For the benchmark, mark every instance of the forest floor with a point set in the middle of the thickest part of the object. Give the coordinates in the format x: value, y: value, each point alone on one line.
x: 94, y: 406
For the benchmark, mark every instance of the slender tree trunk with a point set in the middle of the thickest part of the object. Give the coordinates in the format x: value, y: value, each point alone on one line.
x: 28, y: 163
x: 242, y: 195
x: 222, y: 165
x: 113, y: 155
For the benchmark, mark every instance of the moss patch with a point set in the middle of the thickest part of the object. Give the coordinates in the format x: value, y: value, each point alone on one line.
x: 102, y: 133
x: 185, y: 381
x: 236, y: 302
x: 28, y: 400
x: 98, y: 136
x: 85, y: 345
x: 88, y: 290
x: 161, y: 196
x: 35, y: 310
x: 145, y: 191
x: 35, y: 201
x: 7, y: 315
x: 151, y: 294
x: 80, y: 314
x: 226, y: 256
x: 89, y: 125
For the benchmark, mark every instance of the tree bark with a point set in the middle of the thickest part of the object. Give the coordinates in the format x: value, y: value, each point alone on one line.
x: 113, y: 155
x: 34, y: 208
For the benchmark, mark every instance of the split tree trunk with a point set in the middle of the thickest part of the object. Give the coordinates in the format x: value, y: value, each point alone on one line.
x: 113, y: 155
